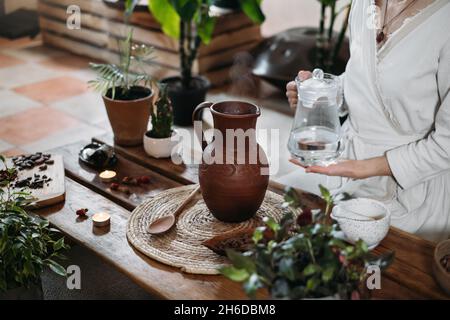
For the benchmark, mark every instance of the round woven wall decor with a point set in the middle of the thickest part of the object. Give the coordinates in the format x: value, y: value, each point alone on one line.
x: 182, y: 246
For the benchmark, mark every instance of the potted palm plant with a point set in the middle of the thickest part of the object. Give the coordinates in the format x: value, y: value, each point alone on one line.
x: 27, y: 243
x: 160, y: 141
x: 127, y: 96
x: 190, y: 23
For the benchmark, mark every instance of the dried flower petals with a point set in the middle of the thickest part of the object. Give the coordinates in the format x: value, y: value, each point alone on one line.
x: 82, y: 212
x: 143, y: 180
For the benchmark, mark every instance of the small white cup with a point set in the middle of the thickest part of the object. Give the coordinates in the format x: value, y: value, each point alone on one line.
x: 364, y: 219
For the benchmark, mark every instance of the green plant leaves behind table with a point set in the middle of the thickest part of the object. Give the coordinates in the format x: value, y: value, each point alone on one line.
x: 252, y: 8
x: 169, y: 13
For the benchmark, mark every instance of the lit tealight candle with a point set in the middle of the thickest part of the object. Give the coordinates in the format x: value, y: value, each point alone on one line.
x: 107, y: 175
x: 101, y: 219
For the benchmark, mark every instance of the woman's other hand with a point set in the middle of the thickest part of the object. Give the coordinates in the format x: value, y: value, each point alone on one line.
x: 291, y: 88
x: 355, y: 169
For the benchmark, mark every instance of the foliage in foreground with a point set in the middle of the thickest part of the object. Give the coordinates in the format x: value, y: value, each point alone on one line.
x: 302, y: 257
x: 27, y: 243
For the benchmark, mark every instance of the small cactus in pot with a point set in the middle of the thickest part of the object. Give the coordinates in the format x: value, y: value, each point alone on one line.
x: 162, y: 116
x: 161, y: 139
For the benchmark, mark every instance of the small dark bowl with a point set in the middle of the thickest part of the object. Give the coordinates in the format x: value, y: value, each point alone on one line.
x: 97, y: 156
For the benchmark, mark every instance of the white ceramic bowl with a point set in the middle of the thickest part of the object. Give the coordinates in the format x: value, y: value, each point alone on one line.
x: 162, y: 148
x: 364, y: 219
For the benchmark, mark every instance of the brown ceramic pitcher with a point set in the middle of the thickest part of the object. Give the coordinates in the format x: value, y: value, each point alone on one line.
x: 234, y: 185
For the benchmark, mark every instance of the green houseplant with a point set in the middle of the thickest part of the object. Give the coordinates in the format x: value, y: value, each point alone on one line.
x: 127, y: 95
x: 328, y: 44
x: 191, y: 23
x: 302, y: 258
x: 160, y: 140
x: 27, y: 243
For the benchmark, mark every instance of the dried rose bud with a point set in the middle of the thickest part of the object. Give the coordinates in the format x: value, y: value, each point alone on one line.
x: 82, y: 212
x: 305, y: 218
x: 343, y: 260
x: 143, y: 180
x: 114, y: 186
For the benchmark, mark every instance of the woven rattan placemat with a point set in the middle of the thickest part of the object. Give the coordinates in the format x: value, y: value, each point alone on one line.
x: 182, y: 246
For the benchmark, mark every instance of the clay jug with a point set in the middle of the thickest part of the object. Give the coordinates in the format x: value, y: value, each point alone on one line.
x: 233, y: 185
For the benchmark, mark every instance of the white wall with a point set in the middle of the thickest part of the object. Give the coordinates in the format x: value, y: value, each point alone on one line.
x: 285, y: 14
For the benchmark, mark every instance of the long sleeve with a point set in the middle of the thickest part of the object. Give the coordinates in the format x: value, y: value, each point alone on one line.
x: 419, y: 161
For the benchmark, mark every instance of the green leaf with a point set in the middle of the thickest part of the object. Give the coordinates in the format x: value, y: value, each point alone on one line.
x: 258, y: 234
x: 186, y: 9
x: 235, y: 274
x: 291, y: 198
x: 328, y: 273
x: 362, y: 246
x: 205, y: 28
x: 280, y: 288
x: 271, y: 223
x: 129, y: 7
x: 252, y: 284
x: 241, y: 261
x: 253, y: 10
x: 165, y: 14
x: 335, y: 242
x: 311, y: 269
x: 286, y: 267
x: 325, y: 193
x: 56, y: 267
x: 58, y: 245
x: 312, y: 284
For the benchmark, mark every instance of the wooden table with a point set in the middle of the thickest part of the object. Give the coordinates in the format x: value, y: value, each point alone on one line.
x: 409, y: 277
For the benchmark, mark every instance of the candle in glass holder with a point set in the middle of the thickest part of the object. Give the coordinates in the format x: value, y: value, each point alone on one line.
x: 107, y: 175
x: 101, y: 219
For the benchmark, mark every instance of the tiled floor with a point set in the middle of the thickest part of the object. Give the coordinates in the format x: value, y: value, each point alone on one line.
x: 45, y: 101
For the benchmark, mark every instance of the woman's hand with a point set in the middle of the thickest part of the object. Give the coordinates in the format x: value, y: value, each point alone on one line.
x: 291, y: 88
x: 355, y: 169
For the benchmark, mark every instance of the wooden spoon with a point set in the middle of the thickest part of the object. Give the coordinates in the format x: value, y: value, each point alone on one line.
x: 165, y: 223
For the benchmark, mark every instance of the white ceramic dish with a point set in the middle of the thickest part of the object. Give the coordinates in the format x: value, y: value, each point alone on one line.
x: 162, y: 148
x: 364, y: 219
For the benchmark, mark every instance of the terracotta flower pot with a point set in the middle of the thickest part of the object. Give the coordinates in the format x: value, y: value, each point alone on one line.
x: 234, y: 189
x: 129, y: 117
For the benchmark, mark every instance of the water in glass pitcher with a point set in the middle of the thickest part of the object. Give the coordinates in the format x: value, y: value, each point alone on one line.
x: 315, y: 134
x: 315, y: 145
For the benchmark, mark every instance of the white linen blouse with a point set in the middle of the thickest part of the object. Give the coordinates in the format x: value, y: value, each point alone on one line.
x: 398, y: 103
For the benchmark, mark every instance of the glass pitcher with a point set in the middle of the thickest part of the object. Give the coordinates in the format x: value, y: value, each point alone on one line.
x: 315, y: 137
